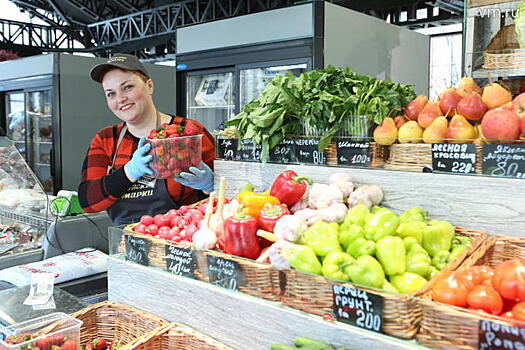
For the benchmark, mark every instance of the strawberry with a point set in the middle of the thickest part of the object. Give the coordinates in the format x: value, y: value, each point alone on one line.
x: 90, y: 346
x: 100, y: 344
x: 191, y: 129
x: 69, y: 344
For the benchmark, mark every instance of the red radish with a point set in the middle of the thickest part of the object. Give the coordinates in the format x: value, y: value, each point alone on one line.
x: 174, y: 231
x: 141, y: 228
x: 152, y: 229
x: 161, y: 220
x: 175, y: 221
x: 172, y: 213
x: 183, y: 209
x: 146, y: 220
x: 157, y: 218
x: 165, y: 232
x: 183, y: 223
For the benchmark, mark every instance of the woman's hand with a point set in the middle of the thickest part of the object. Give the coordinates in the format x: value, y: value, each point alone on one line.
x: 199, y: 179
x: 138, y: 164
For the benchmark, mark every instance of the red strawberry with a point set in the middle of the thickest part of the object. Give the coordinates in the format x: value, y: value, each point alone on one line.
x: 100, y: 344
x: 69, y: 344
x: 90, y: 346
x: 191, y: 129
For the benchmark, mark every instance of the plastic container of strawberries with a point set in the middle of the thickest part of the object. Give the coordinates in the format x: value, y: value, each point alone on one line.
x: 49, y: 330
x: 174, y: 155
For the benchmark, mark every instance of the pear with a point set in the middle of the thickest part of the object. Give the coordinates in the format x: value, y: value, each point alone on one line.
x: 430, y: 112
x: 413, y: 109
x: 467, y: 85
x: 449, y: 101
x: 386, y: 133
x: 410, y: 132
x: 437, y: 131
x: 495, y: 95
x: 460, y: 130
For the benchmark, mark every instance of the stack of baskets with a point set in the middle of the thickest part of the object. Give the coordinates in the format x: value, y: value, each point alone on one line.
x: 503, y: 51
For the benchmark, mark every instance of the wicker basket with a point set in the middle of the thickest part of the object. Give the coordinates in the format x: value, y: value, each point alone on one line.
x: 260, y: 280
x: 401, y: 314
x: 175, y: 337
x: 445, y: 326
x: 477, y: 3
x: 114, y: 321
x: 503, y: 51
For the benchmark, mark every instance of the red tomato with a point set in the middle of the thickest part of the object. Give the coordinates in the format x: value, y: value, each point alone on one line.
x: 152, y: 229
x: 477, y: 274
x: 518, y: 311
x: 452, y: 290
x: 509, y: 279
x: 484, y: 297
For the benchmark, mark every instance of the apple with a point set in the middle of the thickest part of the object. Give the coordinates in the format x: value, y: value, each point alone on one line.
x: 518, y: 105
x: 146, y: 220
x: 501, y: 124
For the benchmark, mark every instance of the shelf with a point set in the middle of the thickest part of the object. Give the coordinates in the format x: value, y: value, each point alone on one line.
x: 212, y: 107
x: 484, y: 73
x: 44, y: 142
x: 217, y: 312
x: 25, y: 218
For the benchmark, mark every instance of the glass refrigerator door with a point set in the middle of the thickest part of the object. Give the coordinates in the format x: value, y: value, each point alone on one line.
x: 210, y: 98
x: 16, y: 121
x: 40, y: 120
x: 254, y: 80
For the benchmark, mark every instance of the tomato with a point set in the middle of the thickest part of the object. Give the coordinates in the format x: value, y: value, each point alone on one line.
x: 518, y: 311
x: 485, y: 297
x: 146, y: 220
x: 452, y: 290
x: 509, y: 279
x: 477, y: 274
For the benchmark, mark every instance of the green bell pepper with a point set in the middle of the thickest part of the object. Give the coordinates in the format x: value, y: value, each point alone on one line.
x: 355, y: 216
x: 438, y: 236
x: 412, y: 229
x: 367, y: 271
x: 390, y: 251
x: 282, y: 347
x: 383, y: 223
x: 414, y: 214
x: 361, y: 246
x: 457, y: 251
x: 389, y: 287
x: 377, y: 209
x: 409, y: 242
x: 418, y: 261
x: 310, y: 344
x: 334, y: 265
x: 302, y: 258
x: 408, y: 282
x: 441, y: 259
x: 431, y: 273
x: 349, y: 234
x: 461, y: 241
x: 322, y: 238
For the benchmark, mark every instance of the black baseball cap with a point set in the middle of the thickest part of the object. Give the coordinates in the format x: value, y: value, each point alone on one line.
x: 118, y: 60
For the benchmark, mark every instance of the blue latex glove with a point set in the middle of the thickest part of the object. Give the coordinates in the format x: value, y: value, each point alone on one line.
x: 138, y: 165
x: 199, y: 179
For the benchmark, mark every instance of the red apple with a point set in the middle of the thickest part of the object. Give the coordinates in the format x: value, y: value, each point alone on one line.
x: 518, y: 105
x: 472, y: 107
x: 501, y: 124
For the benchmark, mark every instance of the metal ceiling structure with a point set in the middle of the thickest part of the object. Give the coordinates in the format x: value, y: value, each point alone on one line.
x: 147, y: 28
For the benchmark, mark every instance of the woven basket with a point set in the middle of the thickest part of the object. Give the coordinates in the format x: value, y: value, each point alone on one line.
x: 477, y: 3
x: 445, y: 326
x: 114, y: 321
x: 401, y: 314
x: 260, y: 280
x: 175, y: 337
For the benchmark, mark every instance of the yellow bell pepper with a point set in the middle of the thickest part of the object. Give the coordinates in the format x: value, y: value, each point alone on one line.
x: 253, y: 202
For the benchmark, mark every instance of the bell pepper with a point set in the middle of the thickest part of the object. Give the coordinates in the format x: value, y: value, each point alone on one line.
x: 334, y: 265
x: 414, y: 214
x: 409, y: 242
x: 302, y: 258
x: 253, y: 202
x: 390, y: 251
x: 356, y: 216
x: 310, y: 344
x: 269, y: 215
x: 461, y: 241
x: 408, y: 282
x: 240, y: 236
x: 322, y: 238
x: 350, y: 234
x: 289, y: 188
x: 367, y: 271
x: 412, y: 229
x: 441, y: 259
x: 389, y: 287
x: 361, y: 246
x: 383, y: 223
x: 432, y: 272
x: 438, y: 236
x: 457, y: 251
x: 418, y: 261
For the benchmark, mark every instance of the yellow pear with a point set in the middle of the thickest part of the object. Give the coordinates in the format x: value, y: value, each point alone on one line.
x: 460, y: 130
x: 410, y: 132
x: 437, y: 131
x: 386, y: 133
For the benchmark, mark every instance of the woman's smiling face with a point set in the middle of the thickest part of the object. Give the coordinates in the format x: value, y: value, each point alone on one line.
x: 128, y: 96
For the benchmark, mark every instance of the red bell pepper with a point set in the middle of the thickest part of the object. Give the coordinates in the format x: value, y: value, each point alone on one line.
x: 289, y: 188
x: 269, y: 215
x: 240, y: 236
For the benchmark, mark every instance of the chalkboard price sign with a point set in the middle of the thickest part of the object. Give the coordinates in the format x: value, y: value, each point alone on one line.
x: 358, y: 308
x: 180, y: 261
x: 227, y: 149
x: 454, y: 158
x: 284, y: 152
x: 499, y: 336
x: 307, y: 152
x: 250, y: 152
x: 224, y: 273
x: 504, y: 160
x: 355, y: 153
x: 137, y: 250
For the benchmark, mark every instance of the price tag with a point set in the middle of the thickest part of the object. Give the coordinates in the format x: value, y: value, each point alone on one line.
x: 180, y: 261
x: 227, y: 149
x: 306, y: 151
x: 356, y: 153
x: 504, y: 160
x: 500, y: 336
x: 250, y: 152
x: 137, y: 250
x: 358, y: 308
x: 454, y: 158
x: 224, y: 273
x: 284, y: 152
